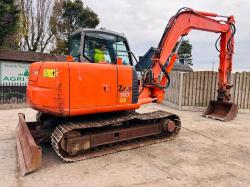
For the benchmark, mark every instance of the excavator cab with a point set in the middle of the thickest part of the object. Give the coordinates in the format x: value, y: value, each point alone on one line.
x: 86, y: 44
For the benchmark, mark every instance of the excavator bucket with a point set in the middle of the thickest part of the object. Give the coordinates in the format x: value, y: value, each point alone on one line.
x: 29, y: 153
x: 224, y: 111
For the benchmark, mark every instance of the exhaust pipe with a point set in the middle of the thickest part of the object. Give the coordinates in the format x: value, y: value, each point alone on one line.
x: 221, y: 110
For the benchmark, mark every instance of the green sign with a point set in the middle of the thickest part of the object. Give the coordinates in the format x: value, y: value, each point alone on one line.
x: 14, y: 72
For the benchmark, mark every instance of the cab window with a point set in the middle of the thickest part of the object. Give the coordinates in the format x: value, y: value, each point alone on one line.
x: 75, y: 45
x: 105, y: 47
x: 121, y: 51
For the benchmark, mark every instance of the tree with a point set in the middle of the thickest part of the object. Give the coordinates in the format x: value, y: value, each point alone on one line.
x: 68, y: 16
x: 9, y: 19
x: 185, y: 52
x: 36, y: 25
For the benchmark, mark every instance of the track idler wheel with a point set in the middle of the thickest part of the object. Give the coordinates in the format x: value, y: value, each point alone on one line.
x: 169, y: 126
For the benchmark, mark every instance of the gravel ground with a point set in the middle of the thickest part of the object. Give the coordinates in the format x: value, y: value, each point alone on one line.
x: 206, y: 153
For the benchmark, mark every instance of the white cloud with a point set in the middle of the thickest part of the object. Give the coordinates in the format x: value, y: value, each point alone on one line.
x: 143, y: 22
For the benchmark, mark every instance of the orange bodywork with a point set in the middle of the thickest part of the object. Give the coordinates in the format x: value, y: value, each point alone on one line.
x: 70, y: 88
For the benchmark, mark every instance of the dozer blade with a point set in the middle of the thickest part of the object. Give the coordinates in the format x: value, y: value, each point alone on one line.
x: 224, y: 111
x: 29, y: 153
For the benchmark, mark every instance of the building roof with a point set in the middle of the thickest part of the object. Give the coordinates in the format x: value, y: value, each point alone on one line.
x: 145, y: 62
x: 21, y: 56
x: 182, y: 67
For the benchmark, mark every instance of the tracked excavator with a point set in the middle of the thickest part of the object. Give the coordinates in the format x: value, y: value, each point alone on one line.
x: 87, y: 109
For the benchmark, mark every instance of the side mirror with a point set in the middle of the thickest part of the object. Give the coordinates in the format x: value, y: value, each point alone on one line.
x: 119, y: 61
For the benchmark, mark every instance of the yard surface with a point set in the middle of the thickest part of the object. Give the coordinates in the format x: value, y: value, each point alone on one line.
x: 205, y: 153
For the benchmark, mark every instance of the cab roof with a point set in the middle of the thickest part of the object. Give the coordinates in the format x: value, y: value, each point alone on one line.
x: 98, y: 30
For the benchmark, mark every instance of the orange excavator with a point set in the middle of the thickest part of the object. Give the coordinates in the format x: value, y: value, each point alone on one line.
x: 87, y: 109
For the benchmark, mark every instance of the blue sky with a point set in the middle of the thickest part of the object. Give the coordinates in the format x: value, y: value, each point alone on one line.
x: 143, y: 22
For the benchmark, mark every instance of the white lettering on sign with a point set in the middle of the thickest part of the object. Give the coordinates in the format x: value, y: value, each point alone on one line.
x: 14, y: 72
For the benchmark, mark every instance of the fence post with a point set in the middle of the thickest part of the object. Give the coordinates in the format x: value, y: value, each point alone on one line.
x: 233, y: 88
x: 180, y: 90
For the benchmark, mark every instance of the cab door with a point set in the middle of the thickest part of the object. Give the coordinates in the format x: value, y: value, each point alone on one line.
x: 92, y: 85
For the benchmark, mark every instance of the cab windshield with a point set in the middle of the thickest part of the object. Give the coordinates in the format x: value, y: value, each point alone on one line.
x: 100, y: 46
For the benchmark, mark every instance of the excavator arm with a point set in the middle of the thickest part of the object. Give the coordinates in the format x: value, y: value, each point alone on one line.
x: 156, y: 79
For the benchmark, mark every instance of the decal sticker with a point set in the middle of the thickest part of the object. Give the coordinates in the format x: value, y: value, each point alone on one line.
x: 123, y: 100
x: 122, y: 88
x: 49, y: 73
x: 124, y: 94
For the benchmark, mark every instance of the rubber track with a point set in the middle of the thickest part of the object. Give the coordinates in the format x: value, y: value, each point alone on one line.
x: 117, y: 119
